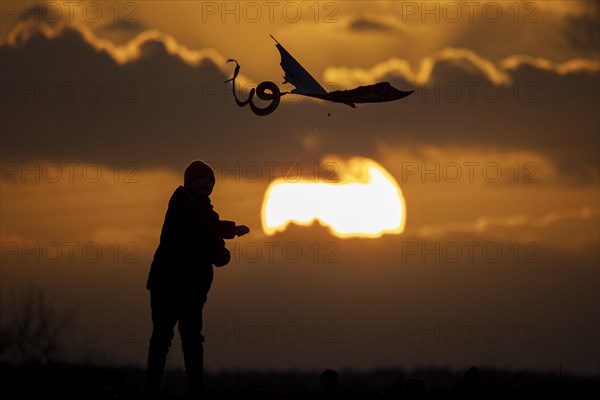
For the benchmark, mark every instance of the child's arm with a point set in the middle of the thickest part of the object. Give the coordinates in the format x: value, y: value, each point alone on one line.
x: 226, y: 229
x: 229, y: 230
x: 241, y: 230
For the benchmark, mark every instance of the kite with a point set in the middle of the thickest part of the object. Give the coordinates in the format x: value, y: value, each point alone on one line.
x: 305, y: 85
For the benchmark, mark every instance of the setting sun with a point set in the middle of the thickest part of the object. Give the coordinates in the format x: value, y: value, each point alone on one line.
x: 365, y: 201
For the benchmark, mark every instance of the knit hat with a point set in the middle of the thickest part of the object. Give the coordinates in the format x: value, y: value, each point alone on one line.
x: 197, y: 169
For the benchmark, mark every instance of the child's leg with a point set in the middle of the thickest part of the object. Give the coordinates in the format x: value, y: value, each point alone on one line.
x: 192, y: 343
x: 163, y: 323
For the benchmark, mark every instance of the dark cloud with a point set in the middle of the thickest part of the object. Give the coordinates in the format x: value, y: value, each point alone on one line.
x: 583, y: 32
x: 368, y: 25
x: 453, y: 71
x: 124, y: 26
x: 155, y: 110
x: 158, y: 110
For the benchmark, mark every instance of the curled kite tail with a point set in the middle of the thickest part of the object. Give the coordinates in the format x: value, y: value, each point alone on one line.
x: 235, y: 73
x: 267, y: 91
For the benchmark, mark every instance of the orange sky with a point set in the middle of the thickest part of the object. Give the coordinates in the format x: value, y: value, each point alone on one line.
x: 496, y: 154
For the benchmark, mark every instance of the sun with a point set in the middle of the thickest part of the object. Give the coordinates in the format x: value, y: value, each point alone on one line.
x: 365, y: 202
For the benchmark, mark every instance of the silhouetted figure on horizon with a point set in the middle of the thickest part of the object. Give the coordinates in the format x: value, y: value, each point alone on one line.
x: 414, y: 388
x: 471, y: 387
x: 181, y: 274
x: 330, y: 382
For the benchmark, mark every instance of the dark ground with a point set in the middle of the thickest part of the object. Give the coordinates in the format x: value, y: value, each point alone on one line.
x: 81, y: 382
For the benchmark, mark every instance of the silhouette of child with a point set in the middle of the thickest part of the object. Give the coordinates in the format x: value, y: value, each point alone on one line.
x: 181, y: 274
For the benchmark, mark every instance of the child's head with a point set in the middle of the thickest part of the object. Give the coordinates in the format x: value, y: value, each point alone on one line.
x: 199, y: 178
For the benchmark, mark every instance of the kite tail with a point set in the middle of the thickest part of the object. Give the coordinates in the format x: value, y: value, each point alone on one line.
x: 267, y: 91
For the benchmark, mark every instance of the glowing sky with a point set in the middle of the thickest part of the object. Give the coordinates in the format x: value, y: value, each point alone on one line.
x: 496, y: 155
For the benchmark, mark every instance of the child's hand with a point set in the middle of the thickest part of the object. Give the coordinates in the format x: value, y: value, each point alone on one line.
x: 241, y: 230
